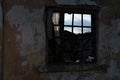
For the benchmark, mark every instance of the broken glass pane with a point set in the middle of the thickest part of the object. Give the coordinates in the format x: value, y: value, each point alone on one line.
x: 86, y: 30
x: 68, y: 29
x: 77, y: 30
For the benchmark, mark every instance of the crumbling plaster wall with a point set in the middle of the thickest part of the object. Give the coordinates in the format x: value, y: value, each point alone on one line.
x: 25, y: 43
x: 1, y: 23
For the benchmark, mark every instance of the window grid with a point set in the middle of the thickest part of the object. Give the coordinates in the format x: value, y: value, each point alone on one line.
x: 62, y: 25
x: 82, y: 26
x: 82, y: 32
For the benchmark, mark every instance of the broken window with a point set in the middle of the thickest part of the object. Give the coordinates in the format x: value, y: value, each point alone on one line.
x: 71, y: 35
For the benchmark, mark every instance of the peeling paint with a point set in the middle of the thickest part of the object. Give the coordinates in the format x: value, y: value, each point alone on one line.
x: 114, y: 39
x: 108, y: 14
x: 109, y: 35
x: 25, y: 44
x: 113, y: 73
x: 29, y: 23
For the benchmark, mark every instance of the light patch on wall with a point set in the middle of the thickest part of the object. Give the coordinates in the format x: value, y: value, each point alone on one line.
x: 24, y: 63
x: 31, y: 26
x: 109, y: 39
x: 109, y: 35
x: 113, y: 72
x: 114, y: 37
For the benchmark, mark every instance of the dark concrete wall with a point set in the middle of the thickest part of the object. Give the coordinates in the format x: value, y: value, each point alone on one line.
x: 1, y: 24
x: 25, y: 43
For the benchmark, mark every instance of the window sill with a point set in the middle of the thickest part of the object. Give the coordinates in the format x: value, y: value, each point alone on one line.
x: 74, y: 68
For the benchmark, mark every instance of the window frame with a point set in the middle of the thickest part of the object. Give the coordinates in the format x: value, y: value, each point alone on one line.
x: 83, y: 9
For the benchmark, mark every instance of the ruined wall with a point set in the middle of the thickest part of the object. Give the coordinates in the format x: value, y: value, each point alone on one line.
x: 1, y: 24
x: 25, y: 43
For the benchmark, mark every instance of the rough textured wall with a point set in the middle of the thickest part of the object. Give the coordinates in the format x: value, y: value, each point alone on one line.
x: 25, y: 43
x: 1, y: 22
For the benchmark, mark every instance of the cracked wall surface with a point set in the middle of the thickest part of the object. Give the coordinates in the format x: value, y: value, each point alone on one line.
x: 25, y: 40
x: 1, y: 34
